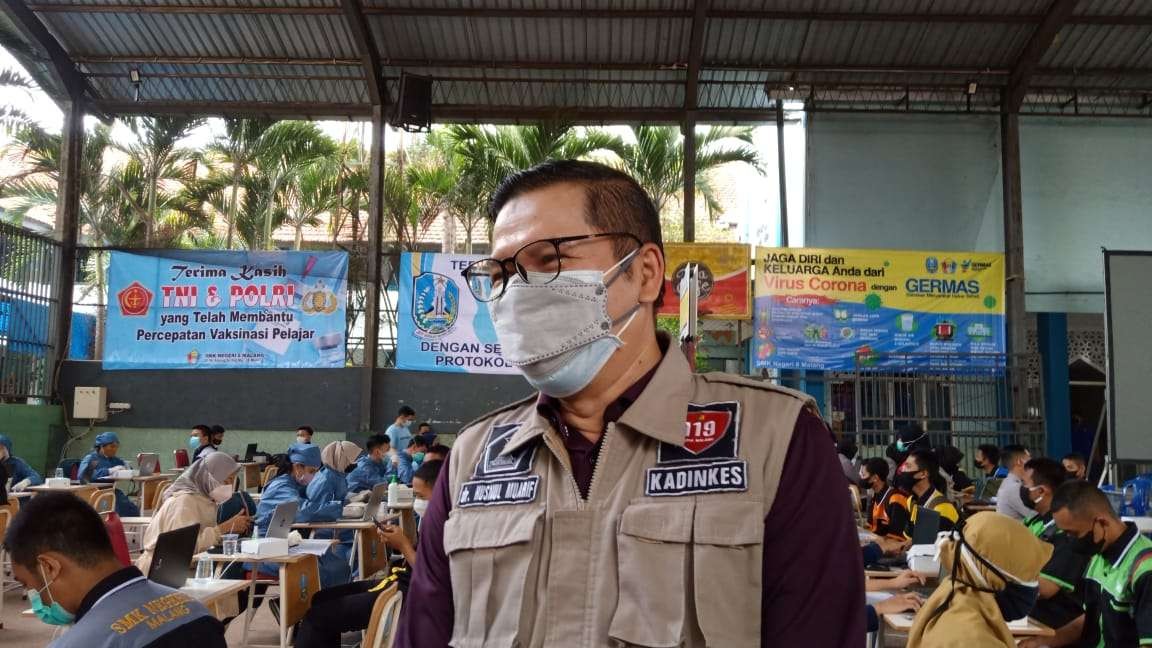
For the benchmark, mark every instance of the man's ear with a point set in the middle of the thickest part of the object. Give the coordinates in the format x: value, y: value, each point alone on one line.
x: 650, y: 264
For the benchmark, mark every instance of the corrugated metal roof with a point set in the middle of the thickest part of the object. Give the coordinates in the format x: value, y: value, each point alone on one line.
x: 599, y: 57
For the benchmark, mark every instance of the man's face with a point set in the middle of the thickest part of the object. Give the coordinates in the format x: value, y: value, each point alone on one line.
x: 110, y: 450
x: 304, y: 434
x: 1018, y: 465
x: 409, y: 419
x: 559, y: 210
x: 379, y: 451
x: 1074, y: 467
x: 424, y: 429
x: 218, y: 439
x: 911, y: 467
x: 1039, y: 494
x: 421, y: 489
x: 980, y: 461
x: 1078, y: 525
x: 54, y: 569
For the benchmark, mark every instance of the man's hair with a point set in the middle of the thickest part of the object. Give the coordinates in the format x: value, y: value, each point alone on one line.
x: 440, y: 449
x: 1046, y: 472
x: 991, y: 453
x: 1079, y: 498
x: 847, y: 447
x: 424, y: 424
x: 202, y: 429
x: 614, y: 201
x: 949, y: 457
x: 218, y: 429
x: 306, y: 428
x: 429, y: 471
x: 406, y: 411
x: 59, y: 522
x: 375, y: 441
x: 419, y: 442
x: 877, y: 467
x: 1012, y: 453
x: 1077, y: 457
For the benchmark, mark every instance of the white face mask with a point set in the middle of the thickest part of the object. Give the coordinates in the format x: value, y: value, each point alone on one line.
x: 302, y: 439
x: 221, y: 493
x: 559, y: 334
x: 419, y: 506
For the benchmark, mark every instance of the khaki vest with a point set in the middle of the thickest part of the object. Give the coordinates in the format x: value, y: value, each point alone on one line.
x: 666, y: 550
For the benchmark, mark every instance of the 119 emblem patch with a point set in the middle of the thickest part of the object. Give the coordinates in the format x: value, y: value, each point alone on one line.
x: 708, y: 462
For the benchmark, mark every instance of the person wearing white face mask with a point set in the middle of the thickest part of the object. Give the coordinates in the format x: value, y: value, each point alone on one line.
x: 193, y: 499
x: 401, y: 430
x: 630, y: 501
x: 304, y: 434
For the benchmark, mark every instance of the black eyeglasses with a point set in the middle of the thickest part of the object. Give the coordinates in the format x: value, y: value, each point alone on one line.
x: 535, y: 263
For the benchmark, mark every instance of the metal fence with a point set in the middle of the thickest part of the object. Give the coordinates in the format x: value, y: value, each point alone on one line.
x: 28, y: 268
x: 963, y: 400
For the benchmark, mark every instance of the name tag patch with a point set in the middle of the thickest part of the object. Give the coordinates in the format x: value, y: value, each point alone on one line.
x: 493, y: 464
x: 492, y: 492
x: 718, y: 477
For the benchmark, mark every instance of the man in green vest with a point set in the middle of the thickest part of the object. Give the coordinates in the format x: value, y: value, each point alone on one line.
x: 1061, y: 581
x: 1117, y: 586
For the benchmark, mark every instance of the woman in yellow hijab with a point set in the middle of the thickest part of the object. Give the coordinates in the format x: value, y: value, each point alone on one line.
x: 989, y: 555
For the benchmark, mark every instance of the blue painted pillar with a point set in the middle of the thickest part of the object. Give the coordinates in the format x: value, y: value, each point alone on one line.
x: 813, y: 385
x: 1052, y: 339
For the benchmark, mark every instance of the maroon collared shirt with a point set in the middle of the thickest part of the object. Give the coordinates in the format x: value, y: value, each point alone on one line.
x: 813, y: 593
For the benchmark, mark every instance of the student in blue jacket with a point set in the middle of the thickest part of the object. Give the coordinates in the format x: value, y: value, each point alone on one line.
x: 21, y: 474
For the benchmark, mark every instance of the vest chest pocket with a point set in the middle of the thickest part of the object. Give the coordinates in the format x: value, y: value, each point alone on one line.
x: 652, y: 542
x: 493, y: 556
x: 728, y: 557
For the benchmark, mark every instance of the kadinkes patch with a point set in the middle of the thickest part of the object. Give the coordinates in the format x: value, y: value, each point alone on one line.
x: 696, y: 479
x: 492, y: 492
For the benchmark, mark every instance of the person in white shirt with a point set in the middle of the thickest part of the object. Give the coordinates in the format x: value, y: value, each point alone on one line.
x: 1008, y: 500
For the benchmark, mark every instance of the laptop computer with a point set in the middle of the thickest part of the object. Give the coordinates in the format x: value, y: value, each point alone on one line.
x: 282, y: 520
x: 172, y: 556
x: 926, y: 528
x: 148, y: 462
x: 379, y: 494
x: 249, y: 452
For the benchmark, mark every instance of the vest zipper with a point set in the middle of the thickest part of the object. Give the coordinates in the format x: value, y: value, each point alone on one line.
x: 568, y: 471
x: 600, y: 457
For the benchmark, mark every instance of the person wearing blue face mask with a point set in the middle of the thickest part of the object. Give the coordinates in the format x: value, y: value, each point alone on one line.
x: 61, y: 552
x: 293, y: 486
x: 21, y: 474
x: 200, y: 436
x: 99, y: 464
x: 401, y: 431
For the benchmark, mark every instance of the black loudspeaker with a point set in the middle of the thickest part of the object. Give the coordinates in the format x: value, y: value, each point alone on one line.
x: 414, y: 106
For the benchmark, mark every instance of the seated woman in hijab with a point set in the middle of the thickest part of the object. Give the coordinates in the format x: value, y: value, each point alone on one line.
x: 993, y: 565
x: 193, y: 499
x: 325, y: 496
x: 99, y: 464
x: 295, y: 486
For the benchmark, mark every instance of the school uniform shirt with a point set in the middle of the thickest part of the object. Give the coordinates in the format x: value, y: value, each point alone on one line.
x: 126, y: 610
x: 1065, y: 568
x: 935, y: 500
x: 889, y: 515
x: 369, y: 472
x: 625, y: 539
x: 1008, y: 500
x: 1118, y: 594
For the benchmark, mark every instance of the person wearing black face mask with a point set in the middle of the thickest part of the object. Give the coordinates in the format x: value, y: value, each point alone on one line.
x: 887, y: 517
x: 1118, y: 581
x: 1058, y: 605
x: 920, y: 476
x: 991, y: 565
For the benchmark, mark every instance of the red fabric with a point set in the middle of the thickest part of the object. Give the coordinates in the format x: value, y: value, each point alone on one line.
x: 119, y: 541
x: 181, y: 458
x: 75, y: 472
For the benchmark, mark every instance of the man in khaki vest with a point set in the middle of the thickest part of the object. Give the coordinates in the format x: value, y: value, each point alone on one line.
x: 631, y: 502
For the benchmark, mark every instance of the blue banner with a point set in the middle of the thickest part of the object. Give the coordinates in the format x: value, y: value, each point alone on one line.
x: 176, y: 309
x: 441, y: 325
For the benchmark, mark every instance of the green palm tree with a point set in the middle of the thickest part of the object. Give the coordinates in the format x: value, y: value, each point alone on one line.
x: 312, y: 190
x: 12, y: 118
x: 161, y: 160
x: 235, y: 154
x: 290, y: 147
x: 656, y: 160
